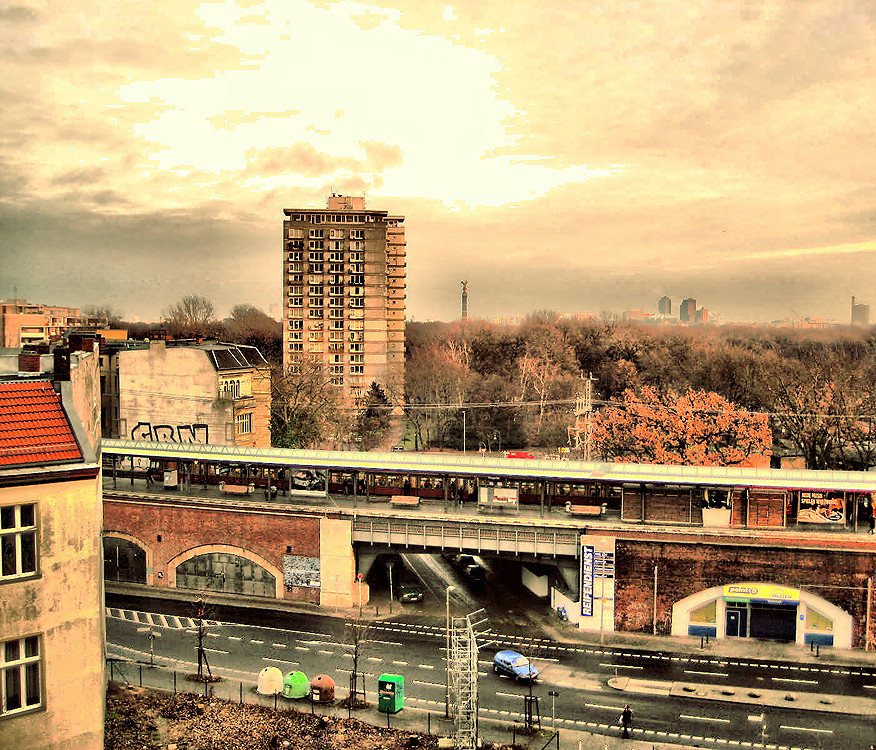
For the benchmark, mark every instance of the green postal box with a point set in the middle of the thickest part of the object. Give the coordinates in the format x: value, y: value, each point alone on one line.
x: 390, y: 693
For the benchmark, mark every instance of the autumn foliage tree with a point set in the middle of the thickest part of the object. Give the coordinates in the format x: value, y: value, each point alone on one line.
x: 696, y: 428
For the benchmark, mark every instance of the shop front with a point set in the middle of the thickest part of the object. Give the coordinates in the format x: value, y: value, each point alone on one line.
x: 762, y: 611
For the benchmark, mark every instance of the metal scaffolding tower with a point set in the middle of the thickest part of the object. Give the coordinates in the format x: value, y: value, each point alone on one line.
x: 464, y: 683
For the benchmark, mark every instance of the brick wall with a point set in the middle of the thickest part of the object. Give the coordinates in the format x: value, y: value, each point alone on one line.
x: 181, y: 529
x: 683, y: 569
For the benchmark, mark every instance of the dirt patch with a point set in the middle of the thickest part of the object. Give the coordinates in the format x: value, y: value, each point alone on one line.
x: 143, y: 719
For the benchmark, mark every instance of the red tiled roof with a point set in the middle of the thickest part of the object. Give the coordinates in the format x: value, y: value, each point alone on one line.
x: 33, y: 426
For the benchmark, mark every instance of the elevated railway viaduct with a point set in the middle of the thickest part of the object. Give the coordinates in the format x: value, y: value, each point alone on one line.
x: 641, y: 557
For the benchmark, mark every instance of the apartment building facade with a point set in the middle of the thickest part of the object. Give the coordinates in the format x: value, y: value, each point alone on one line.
x: 344, y: 293
x: 189, y: 392
x: 51, y: 583
x: 25, y: 323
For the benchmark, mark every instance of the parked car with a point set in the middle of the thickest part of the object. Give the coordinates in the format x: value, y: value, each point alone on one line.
x: 514, y: 665
x: 410, y: 592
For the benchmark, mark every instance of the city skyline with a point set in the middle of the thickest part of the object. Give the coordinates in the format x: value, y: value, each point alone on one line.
x: 720, y: 153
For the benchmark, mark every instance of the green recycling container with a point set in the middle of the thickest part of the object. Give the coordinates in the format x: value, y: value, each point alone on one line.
x: 296, y: 685
x: 390, y: 693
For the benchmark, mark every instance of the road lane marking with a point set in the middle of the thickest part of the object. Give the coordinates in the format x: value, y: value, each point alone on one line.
x: 805, y: 729
x: 400, y: 663
x: 703, y: 718
x: 279, y: 661
x: 234, y: 638
x: 790, y: 679
x: 709, y: 674
x: 279, y: 645
x: 426, y: 666
x: 620, y: 666
x: 599, y: 705
x: 256, y: 642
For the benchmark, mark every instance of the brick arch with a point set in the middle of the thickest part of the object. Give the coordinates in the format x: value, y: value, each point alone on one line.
x: 843, y: 622
x: 150, y: 554
x: 206, y: 549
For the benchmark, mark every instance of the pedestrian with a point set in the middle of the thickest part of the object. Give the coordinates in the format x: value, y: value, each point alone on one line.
x: 626, y: 720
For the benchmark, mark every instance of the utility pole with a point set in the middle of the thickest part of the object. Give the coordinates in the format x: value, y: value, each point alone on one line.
x: 464, y: 300
x: 583, y: 430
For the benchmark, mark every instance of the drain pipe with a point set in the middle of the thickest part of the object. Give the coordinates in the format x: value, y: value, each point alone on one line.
x: 654, y: 623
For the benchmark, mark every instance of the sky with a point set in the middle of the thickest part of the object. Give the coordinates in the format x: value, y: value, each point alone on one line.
x: 581, y: 157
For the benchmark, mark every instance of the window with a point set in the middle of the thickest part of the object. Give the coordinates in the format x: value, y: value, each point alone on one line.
x: 338, y: 312
x: 316, y: 268
x: 357, y: 302
x: 315, y: 314
x: 244, y: 423
x: 357, y: 257
x: 296, y: 301
x: 337, y: 369
x: 18, y: 541
x: 296, y: 290
x: 295, y: 233
x: 357, y: 234
x: 357, y: 245
x: 296, y: 325
x: 357, y: 279
x: 297, y: 255
x: 336, y: 234
x: 337, y: 325
x: 296, y: 335
x: 316, y: 234
x: 296, y: 346
x: 357, y: 369
x: 357, y: 358
x: 21, y: 685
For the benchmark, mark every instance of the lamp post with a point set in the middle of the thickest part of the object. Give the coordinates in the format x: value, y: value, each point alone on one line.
x: 447, y: 660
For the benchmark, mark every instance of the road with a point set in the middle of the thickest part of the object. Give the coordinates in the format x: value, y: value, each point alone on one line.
x: 580, y: 677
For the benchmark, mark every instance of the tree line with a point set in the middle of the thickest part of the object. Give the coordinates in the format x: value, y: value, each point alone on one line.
x: 669, y: 394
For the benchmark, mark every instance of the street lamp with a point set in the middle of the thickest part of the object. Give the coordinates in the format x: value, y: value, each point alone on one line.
x: 447, y: 660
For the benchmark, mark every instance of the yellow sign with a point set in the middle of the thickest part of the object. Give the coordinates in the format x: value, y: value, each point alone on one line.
x: 761, y: 591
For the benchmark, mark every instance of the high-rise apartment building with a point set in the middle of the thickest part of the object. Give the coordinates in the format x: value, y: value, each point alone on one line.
x: 344, y: 293
x: 664, y: 306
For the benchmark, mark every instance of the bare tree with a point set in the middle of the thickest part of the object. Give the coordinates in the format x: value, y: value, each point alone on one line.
x: 193, y: 315
x: 357, y: 637
x: 106, y: 316
x: 305, y: 408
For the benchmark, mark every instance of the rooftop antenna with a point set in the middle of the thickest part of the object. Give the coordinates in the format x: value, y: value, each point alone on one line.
x: 464, y: 299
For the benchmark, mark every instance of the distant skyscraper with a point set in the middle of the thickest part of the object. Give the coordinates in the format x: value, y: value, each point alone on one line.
x: 860, y: 314
x: 664, y: 306
x: 687, y: 313
x: 344, y: 292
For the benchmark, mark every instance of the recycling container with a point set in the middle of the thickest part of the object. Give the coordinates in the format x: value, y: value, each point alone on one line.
x: 390, y: 693
x: 295, y: 685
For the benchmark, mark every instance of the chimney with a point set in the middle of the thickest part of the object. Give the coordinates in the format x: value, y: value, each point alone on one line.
x: 62, y: 365
x: 29, y: 361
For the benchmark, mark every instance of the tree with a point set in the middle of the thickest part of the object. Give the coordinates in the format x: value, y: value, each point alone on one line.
x: 249, y: 325
x: 306, y: 409
x: 192, y: 316
x: 697, y: 428
x: 372, y: 423
x: 106, y: 316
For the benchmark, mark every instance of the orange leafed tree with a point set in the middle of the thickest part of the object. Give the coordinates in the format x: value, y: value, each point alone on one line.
x: 697, y: 428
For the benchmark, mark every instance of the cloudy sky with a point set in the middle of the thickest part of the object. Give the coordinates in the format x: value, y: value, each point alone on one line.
x: 577, y: 156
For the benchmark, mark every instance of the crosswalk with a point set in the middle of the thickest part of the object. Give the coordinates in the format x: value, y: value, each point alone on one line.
x: 151, y: 619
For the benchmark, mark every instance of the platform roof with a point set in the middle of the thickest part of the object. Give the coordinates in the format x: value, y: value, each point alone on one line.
x: 475, y: 465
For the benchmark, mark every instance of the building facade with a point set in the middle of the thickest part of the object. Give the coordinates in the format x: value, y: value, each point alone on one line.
x: 24, y: 323
x: 860, y: 313
x: 52, y: 694
x: 664, y: 306
x: 185, y: 392
x: 344, y: 293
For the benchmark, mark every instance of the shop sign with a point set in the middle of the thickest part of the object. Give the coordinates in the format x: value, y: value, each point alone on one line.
x: 587, y: 581
x: 821, y: 507
x: 762, y: 592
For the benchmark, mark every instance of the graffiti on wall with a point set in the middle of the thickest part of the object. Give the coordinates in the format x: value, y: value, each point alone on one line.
x: 168, y: 433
